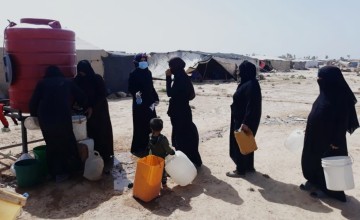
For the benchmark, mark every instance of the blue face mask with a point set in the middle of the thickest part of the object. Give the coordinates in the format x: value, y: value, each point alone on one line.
x: 143, y: 65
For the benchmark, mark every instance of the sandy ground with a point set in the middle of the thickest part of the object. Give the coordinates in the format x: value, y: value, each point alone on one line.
x: 270, y: 193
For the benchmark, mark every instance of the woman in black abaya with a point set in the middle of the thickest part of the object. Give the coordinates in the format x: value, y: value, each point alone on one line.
x: 245, y: 115
x: 141, y: 83
x: 332, y: 114
x: 51, y: 102
x: 185, y: 135
x: 98, y: 122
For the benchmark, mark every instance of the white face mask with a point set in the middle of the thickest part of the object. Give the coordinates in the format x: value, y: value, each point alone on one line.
x: 143, y: 65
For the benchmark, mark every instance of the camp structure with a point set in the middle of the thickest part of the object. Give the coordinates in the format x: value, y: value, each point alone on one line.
x: 218, y: 67
x: 158, y: 62
x: 270, y: 63
x: 311, y: 64
x: 87, y: 51
x: 117, y: 68
x: 200, y: 65
x: 212, y: 69
x: 298, y: 65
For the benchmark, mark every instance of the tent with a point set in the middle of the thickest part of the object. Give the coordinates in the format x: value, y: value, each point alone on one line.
x: 311, y: 64
x: 158, y: 62
x: 273, y: 63
x: 298, y: 64
x: 219, y: 66
x: 117, y: 67
x: 212, y: 68
x: 87, y: 51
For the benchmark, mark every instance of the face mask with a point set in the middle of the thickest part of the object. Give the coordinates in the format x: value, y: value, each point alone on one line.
x: 143, y: 65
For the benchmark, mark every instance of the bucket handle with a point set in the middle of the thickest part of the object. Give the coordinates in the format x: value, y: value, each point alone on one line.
x: 96, y: 153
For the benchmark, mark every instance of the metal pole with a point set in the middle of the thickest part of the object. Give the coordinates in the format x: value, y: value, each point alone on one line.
x: 20, y: 144
x: 23, y: 135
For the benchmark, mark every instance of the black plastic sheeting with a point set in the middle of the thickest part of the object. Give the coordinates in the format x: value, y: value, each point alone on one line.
x: 117, y: 68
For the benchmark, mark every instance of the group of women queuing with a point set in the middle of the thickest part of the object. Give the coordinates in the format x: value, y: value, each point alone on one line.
x: 185, y: 135
x: 332, y: 115
x: 53, y: 101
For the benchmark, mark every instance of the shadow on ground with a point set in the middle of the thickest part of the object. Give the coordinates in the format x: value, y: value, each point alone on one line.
x: 179, y: 197
x: 73, y: 197
x: 284, y: 193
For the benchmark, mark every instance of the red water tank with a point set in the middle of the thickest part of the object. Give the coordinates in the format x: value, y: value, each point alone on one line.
x: 32, y: 46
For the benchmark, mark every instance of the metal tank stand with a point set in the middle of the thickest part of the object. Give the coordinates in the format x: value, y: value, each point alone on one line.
x: 16, y: 115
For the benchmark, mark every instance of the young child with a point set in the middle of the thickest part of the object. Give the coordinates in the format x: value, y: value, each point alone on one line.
x: 159, y: 144
x: 3, y: 120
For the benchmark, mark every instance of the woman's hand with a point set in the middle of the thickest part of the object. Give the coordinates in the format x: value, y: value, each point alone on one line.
x: 168, y: 72
x: 246, y: 129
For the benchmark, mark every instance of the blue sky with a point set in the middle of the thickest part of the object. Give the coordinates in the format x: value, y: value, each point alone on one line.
x: 264, y: 27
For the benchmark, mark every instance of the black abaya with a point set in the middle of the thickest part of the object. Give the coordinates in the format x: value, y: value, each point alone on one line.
x: 245, y: 109
x: 98, y: 125
x: 333, y: 113
x: 140, y: 80
x: 51, y: 103
x: 185, y: 135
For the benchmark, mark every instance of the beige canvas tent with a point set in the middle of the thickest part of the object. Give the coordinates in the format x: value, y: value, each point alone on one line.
x: 87, y: 51
x: 276, y: 63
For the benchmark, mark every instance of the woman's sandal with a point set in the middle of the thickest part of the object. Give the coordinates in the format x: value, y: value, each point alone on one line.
x: 235, y: 174
x: 307, y: 186
x: 318, y: 194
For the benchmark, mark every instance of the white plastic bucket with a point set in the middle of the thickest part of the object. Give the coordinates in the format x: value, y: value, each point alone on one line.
x: 295, y: 141
x: 180, y: 168
x: 79, y: 127
x: 338, y: 173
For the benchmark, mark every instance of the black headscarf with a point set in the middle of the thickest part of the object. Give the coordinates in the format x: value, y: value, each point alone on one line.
x: 176, y: 65
x: 138, y: 57
x: 334, y: 87
x: 53, y: 71
x: 85, y: 67
x: 247, y: 72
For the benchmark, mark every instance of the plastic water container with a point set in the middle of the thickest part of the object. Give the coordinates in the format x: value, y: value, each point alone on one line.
x: 138, y: 98
x: 79, y: 127
x: 23, y: 156
x: 148, y: 176
x: 94, y: 166
x: 89, y: 143
x: 40, y: 155
x: 295, y: 141
x: 181, y: 170
x: 28, y: 172
x: 338, y: 173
